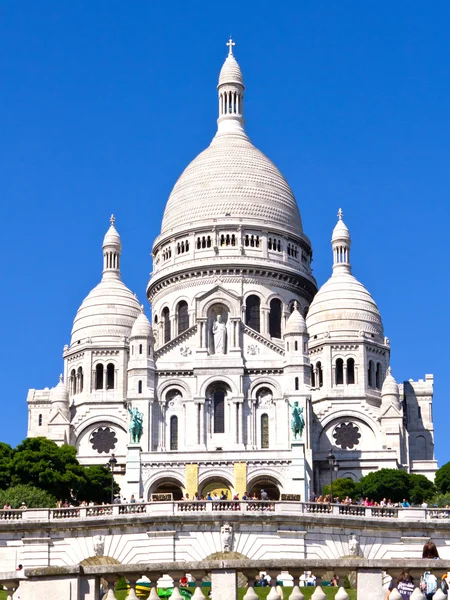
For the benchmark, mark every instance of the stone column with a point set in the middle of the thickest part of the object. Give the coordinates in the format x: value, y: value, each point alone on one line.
x: 369, y: 584
x: 224, y: 584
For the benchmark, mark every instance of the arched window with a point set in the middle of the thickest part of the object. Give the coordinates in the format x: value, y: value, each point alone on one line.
x: 73, y: 383
x: 140, y: 348
x: 264, y: 431
x: 252, y: 312
x: 183, y: 316
x: 339, y: 371
x: 173, y: 432
x: 378, y: 376
x: 313, y: 377
x: 296, y: 345
x: 297, y: 383
x: 139, y: 387
x: 40, y: 420
x: 219, y: 412
x: 371, y: 374
x: 275, y: 318
x: 319, y: 374
x: 350, y: 371
x: 110, y: 377
x: 99, y: 377
x: 166, y: 320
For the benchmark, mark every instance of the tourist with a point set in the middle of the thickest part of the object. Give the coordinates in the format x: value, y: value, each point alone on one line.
x: 404, y: 585
x: 405, y: 503
x: 430, y: 551
x: 334, y: 582
x: 428, y: 581
x: 23, y: 506
x: 7, y: 506
x: 132, y: 499
x: 264, y: 495
x: 208, y: 496
x: 245, y: 496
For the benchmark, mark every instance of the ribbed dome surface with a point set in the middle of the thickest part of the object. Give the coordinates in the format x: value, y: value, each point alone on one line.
x: 108, y: 311
x: 390, y: 386
x: 343, y: 304
x: 231, y: 72
x: 295, y: 323
x: 141, y: 327
x: 231, y: 177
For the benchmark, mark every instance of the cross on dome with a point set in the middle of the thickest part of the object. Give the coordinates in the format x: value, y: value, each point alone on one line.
x: 230, y: 45
x: 112, y: 220
x: 60, y: 378
x: 340, y: 214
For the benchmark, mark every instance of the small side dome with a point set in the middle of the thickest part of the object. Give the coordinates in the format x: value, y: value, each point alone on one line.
x: 390, y: 386
x: 59, y: 393
x: 296, y: 323
x: 141, y: 327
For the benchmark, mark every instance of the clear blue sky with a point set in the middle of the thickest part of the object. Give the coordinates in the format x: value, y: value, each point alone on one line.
x: 104, y: 103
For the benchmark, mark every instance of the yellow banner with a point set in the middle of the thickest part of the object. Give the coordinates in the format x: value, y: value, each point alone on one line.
x: 191, y: 479
x: 240, y: 478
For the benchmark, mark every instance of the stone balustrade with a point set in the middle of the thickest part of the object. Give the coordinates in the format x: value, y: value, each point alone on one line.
x: 250, y: 506
x: 83, y: 582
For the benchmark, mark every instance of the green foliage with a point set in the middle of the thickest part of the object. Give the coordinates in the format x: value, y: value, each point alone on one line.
x: 32, y: 496
x: 395, y: 485
x: 441, y: 500
x: 442, y: 478
x: 342, y: 488
x: 96, y: 485
x: 6, y: 453
x: 421, y: 488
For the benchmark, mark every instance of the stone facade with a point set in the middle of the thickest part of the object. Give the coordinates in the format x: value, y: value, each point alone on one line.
x: 229, y: 357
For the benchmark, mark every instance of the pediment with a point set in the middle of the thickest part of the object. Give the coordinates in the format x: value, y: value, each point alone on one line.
x: 218, y: 295
x: 58, y: 418
x: 391, y: 412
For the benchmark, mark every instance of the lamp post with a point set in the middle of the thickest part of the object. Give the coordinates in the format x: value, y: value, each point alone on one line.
x: 112, y: 462
x: 333, y: 467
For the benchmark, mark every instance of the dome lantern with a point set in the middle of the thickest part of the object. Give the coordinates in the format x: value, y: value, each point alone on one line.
x: 112, y: 249
x: 231, y: 95
x: 341, y: 242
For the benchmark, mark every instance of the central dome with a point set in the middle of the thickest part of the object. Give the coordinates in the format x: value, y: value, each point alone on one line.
x: 232, y: 178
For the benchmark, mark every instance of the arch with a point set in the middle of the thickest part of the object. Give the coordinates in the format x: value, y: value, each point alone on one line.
x: 371, y: 374
x: 73, y: 382
x: 165, y: 317
x: 350, y: 371
x: 297, y: 383
x: 268, y: 483
x: 40, y: 420
x: 263, y: 381
x: 218, y: 379
x: 110, y: 377
x: 276, y: 309
x: 182, y: 316
x: 264, y: 431
x: 339, y: 372
x: 216, y: 483
x: 349, y: 475
x: 421, y: 448
x: 80, y: 379
x: 176, y: 384
x: 139, y: 387
x: 313, y: 377
x: 94, y: 421
x: 319, y: 374
x: 253, y: 312
x: 167, y: 485
x: 378, y: 376
x: 174, y: 432
x: 99, y: 376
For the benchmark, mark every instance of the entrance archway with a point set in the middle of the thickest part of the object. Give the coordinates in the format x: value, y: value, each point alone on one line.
x: 268, y: 484
x: 167, y: 486
x: 216, y: 485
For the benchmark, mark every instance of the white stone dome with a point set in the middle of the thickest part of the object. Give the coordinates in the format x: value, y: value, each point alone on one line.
x: 59, y: 393
x: 231, y: 72
x: 232, y: 178
x: 295, y: 323
x: 343, y: 305
x: 109, y: 311
x: 141, y: 327
x: 390, y: 386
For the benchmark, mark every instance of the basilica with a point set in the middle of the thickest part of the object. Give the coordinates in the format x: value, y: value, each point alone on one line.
x: 247, y: 374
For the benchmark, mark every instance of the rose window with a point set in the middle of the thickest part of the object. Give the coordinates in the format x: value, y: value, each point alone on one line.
x: 346, y: 435
x: 103, y: 440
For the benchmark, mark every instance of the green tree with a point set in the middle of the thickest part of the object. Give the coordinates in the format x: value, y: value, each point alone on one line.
x: 6, y: 453
x: 421, y: 488
x: 342, y: 488
x: 32, y: 496
x: 442, y: 478
x: 392, y: 484
x: 44, y: 464
x: 441, y: 500
x: 96, y: 485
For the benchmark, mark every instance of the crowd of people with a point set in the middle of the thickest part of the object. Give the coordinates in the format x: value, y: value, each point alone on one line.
x: 214, y: 496
x: 384, y: 503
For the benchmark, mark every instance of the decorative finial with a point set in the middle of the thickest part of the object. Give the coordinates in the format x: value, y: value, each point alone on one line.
x: 142, y: 308
x: 60, y: 378
x: 295, y: 305
x: 112, y: 220
x: 340, y: 214
x: 389, y: 370
x: 230, y: 45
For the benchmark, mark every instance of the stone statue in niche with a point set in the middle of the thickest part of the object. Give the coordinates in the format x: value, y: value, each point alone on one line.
x: 353, y: 545
x: 226, y: 532
x: 219, y: 330
x: 99, y: 545
x: 297, y: 420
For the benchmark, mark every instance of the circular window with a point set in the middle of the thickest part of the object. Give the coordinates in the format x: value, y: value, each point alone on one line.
x: 346, y: 435
x: 103, y: 440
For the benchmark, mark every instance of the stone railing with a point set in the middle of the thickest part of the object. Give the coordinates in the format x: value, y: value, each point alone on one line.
x: 371, y: 577
x: 248, y: 506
